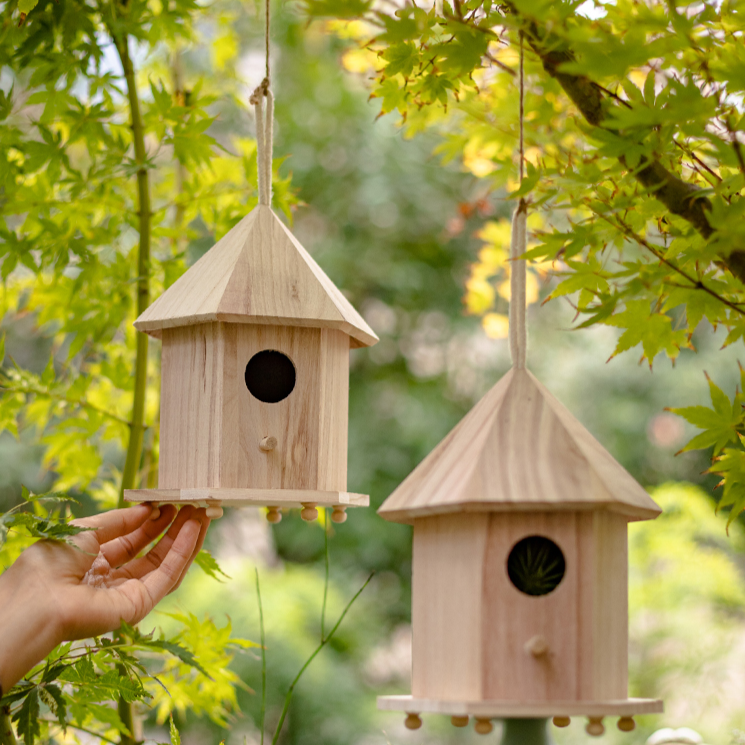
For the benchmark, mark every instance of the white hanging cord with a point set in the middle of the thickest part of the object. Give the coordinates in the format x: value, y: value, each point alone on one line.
x: 518, y: 246
x: 264, y: 124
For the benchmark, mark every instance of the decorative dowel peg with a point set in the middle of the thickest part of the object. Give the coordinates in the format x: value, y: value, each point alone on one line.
x: 595, y: 726
x: 339, y: 515
x: 459, y: 721
x: 626, y: 724
x: 562, y: 721
x: 309, y: 512
x: 483, y: 726
x: 273, y: 515
x: 413, y: 721
x: 214, y: 510
x: 268, y: 444
x: 537, y: 646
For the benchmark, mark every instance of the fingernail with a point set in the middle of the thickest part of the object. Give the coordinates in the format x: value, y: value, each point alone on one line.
x: 155, y: 514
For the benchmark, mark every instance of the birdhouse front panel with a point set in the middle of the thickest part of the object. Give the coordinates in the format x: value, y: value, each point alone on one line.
x: 555, y: 606
x: 254, y: 406
x: 520, y: 606
x: 289, y: 385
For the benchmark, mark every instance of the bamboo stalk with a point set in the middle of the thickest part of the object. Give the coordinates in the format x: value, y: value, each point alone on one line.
x: 136, y: 426
x: 7, y: 735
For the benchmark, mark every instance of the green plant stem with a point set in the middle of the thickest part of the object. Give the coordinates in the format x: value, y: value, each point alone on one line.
x: 263, y: 656
x: 83, y: 729
x: 136, y: 428
x: 7, y: 735
x: 324, y: 642
x: 136, y: 424
x: 326, y: 578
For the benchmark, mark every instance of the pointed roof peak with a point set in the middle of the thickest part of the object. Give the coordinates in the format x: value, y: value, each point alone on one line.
x: 257, y: 273
x: 518, y: 449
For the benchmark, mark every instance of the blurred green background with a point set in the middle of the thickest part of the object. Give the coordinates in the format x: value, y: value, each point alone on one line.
x: 395, y: 228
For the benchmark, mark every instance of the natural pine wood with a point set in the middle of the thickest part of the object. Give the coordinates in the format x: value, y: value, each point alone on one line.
x: 447, y: 603
x: 284, y: 498
x: 191, y: 393
x: 214, y: 433
x: 474, y: 633
x: 257, y: 273
x: 522, y: 709
x: 518, y: 449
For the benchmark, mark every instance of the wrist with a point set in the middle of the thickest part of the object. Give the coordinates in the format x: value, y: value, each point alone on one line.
x: 28, y: 632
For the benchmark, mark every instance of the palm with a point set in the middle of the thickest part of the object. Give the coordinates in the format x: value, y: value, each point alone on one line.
x: 102, y: 582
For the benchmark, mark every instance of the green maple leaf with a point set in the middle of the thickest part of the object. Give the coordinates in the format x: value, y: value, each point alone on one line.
x: 730, y: 465
x: 206, y: 562
x: 27, y: 718
x: 651, y: 329
x: 721, y: 423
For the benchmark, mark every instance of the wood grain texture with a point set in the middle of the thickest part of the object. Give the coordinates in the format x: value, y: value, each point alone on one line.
x: 610, y: 631
x: 192, y: 375
x: 522, y: 710
x: 518, y: 448
x: 248, y: 497
x: 511, y: 618
x: 472, y: 627
x: 212, y: 427
x: 447, y: 578
x: 257, y: 273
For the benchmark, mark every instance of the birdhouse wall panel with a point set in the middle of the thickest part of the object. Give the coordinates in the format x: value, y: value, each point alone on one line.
x: 191, y: 411
x: 293, y: 421
x: 514, y: 622
x: 334, y: 411
x: 610, y: 606
x: 447, y: 655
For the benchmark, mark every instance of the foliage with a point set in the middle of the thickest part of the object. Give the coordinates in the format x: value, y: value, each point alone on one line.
x: 111, y: 179
x: 637, y: 203
x: 74, y: 686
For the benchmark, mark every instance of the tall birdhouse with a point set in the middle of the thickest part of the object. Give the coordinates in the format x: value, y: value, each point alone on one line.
x: 255, y: 377
x: 520, y: 567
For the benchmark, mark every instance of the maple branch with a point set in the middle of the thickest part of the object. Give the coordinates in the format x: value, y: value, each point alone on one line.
x: 679, y: 197
x: 696, y: 283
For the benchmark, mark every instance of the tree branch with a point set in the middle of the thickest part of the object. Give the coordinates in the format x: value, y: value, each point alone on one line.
x: 678, y: 196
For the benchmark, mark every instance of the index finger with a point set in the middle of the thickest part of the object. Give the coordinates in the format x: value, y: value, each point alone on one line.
x: 114, y: 523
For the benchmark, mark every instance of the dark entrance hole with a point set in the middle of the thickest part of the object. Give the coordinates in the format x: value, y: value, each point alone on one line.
x: 270, y: 376
x: 536, y: 565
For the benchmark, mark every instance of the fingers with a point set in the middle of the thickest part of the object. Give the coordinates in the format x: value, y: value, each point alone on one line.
x: 146, y: 593
x: 114, y: 523
x: 205, y: 523
x: 138, y: 568
x: 126, y: 547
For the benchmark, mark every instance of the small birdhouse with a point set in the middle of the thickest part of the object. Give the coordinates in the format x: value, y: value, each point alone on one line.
x: 255, y: 377
x: 520, y: 565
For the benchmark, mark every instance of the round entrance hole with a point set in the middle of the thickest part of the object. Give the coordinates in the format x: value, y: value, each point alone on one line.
x: 270, y: 376
x: 536, y: 565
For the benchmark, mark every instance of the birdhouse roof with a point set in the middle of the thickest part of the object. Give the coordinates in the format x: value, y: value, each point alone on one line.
x: 518, y: 449
x: 257, y: 273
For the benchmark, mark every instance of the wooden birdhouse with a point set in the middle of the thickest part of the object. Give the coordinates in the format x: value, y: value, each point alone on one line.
x: 520, y: 567
x: 255, y: 376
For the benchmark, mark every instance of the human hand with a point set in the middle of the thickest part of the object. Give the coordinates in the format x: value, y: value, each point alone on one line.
x: 55, y: 592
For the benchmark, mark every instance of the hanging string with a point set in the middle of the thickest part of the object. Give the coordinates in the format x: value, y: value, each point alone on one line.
x: 263, y: 103
x: 518, y: 246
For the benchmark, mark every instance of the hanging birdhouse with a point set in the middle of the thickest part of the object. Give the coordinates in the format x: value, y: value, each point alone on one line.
x: 520, y: 567
x: 255, y: 377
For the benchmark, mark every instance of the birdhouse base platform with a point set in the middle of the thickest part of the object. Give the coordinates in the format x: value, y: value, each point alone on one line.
x: 522, y: 709
x: 285, y: 498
